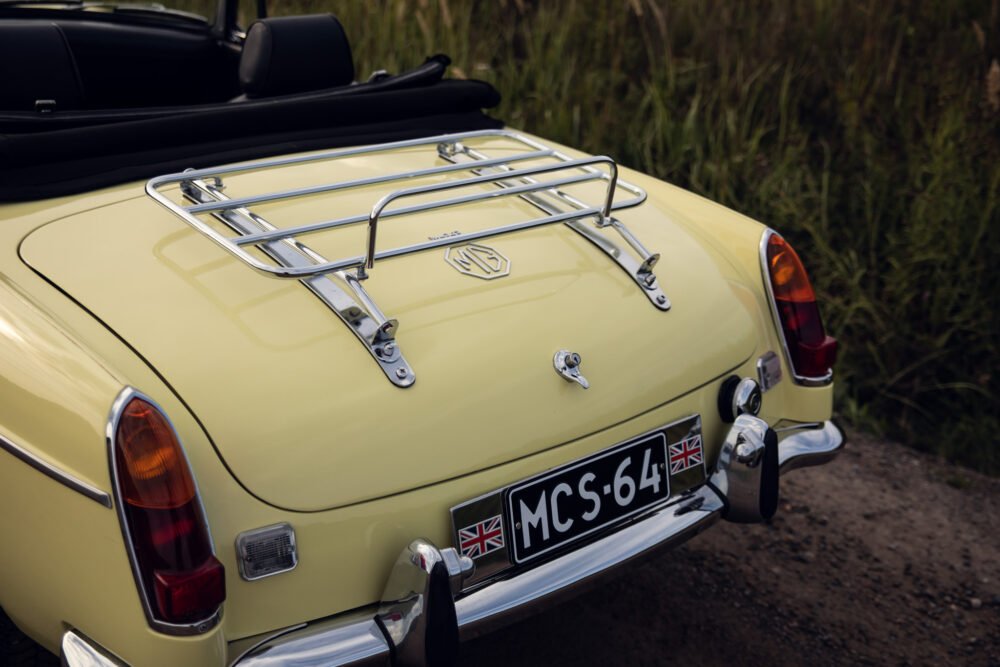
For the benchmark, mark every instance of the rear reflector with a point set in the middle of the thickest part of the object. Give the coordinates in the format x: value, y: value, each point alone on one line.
x: 181, y: 582
x: 811, y: 352
x: 186, y: 595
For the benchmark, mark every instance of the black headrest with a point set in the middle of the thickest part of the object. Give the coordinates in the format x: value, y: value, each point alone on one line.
x: 37, y: 69
x: 294, y: 54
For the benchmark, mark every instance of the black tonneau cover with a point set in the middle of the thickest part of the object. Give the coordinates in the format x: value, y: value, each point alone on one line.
x: 40, y: 165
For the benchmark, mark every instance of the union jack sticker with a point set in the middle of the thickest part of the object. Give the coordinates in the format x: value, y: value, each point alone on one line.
x: 481, y: 538
x: 686, y: 454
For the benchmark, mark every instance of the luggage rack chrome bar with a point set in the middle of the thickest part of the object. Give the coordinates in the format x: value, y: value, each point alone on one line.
x: 289, y: 257
x: 333, y: 187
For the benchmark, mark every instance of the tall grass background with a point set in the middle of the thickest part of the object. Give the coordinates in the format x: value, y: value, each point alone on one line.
x: 867, y: 132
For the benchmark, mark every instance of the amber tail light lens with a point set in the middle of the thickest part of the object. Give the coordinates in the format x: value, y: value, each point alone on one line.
x: 812, y: 352
x: 182, y: 581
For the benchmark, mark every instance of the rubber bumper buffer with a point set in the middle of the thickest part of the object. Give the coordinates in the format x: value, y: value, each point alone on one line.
x: 417, y: 612
x: 747, y: 473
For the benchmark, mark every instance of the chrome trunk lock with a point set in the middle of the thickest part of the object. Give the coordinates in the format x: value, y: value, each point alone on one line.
x: 568, y: 366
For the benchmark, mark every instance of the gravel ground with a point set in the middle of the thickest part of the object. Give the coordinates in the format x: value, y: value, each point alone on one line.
x: 884, y: 556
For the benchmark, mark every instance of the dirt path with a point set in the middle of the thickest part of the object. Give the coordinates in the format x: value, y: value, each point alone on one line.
x: 884, y: 556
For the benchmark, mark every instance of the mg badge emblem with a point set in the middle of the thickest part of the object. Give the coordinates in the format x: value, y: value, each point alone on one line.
x: 477, y: 260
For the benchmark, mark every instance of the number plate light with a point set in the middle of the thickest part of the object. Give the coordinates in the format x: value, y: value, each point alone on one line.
x: 266, y: 551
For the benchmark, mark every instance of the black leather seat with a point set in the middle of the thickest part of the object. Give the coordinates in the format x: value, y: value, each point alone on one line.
x: 294, y: 54
x: 37, y: 69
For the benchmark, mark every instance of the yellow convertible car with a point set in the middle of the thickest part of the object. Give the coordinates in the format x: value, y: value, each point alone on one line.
x: 298, y: 369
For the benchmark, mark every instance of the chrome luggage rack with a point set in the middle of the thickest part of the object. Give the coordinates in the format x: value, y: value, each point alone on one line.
x: 291, y: 258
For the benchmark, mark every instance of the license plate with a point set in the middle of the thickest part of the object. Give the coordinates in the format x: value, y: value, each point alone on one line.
x: 567, y: 504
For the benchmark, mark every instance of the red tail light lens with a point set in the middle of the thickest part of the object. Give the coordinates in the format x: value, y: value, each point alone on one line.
x: 811, y: 352
x: 182, y: 581
x: 186, y: 595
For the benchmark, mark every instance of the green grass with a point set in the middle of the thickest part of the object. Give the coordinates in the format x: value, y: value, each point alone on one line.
x: 867, y: 132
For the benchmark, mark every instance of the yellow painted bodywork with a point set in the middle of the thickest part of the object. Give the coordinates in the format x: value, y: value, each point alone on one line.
x: 487, y: 408
x: 303, y: 416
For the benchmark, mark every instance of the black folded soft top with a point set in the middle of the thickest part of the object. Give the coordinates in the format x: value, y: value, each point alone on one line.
x: 45, y: 164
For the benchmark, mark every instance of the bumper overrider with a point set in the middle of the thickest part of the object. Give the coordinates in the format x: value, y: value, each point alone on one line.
x: 424, y: 614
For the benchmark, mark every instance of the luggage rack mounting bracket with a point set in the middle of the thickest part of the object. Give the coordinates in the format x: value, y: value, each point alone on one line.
x: 376, y: 332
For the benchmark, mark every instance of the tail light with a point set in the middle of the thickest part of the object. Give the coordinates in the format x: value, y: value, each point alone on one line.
x: 181, y: 582
x: 810, y: 351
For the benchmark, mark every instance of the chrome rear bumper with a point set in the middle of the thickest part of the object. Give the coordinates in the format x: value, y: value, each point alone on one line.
x: 359, y: 639
x: 360, y: 642
x: 810, y: 447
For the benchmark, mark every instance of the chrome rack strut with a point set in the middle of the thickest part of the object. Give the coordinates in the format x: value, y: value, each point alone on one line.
x: 373, y: 329
x: 548, y: 201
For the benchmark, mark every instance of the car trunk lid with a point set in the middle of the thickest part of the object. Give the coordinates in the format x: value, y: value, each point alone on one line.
x: 300, y: 412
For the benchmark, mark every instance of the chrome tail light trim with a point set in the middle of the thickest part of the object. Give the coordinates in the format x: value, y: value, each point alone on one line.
x: 776, y: 319
x: 117, y: 408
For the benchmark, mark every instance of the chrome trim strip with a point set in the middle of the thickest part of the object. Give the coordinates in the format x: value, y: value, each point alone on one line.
x: 776, y: 318
x: 238, y: 649
x: 181, y: 629
x: 75, y: 650
x: 55, y: 473
x: 800, y: 426
x: 811, y: 447
x: 332, y: 642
